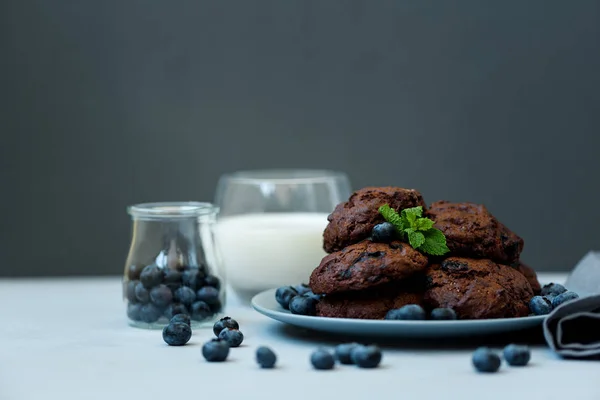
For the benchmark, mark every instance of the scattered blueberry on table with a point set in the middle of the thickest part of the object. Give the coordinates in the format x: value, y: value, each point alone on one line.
x: 383, y: 233
x: 232, y: 336
x: 407, y: 312
x: 225, y: 322
x: 485, y: 360
x: 366, y: 356
x: 303, y: 305
x: 540, y: 305
x: 442, y: 314
x: 183, y: 318
x: 215, y: 350
x: 322, y: 359
x: 517, y: 355
x: 284, y: 294
x: 563, y: 298
x: 265, y: 357
x: 177, y: 333
x: 343, y: 352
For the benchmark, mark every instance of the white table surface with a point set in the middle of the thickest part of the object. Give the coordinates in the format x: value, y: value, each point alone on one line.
x: 68, y: 339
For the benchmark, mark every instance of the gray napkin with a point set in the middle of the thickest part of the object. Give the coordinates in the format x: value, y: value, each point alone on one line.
x: 573, y: 329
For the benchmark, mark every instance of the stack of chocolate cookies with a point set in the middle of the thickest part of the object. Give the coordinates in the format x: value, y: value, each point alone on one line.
x: 481, y: 276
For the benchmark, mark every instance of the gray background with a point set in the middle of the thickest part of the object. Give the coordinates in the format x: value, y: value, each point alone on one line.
x: 108, y: 103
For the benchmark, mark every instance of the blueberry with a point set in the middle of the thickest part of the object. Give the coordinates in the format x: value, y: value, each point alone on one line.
x: 200, y: 311
x: 226, y: 322
x: 183, y: 318
x: 193, y: 278
x: 516, y: 355
x: 540, y: 305
x: 563, y: 298
x: 553, y: 289
x: 322, y: 359
x: 208, y: 294
x: 313, y: 296
x: 343, y: 352
x: 141, y: 293
x: 366, y: 356
x: 485, y: 360
x: 284, y: 294
x: 177, y: 334
x: 174, y: 309
x: 151, y: 276
x: 216, y: 306
x: 134, y: 271
x: 232, y: 336
x: 407, y: 312
x: 149, y: 313
x: 133, y: 311
x: 213, y: 281
x: 172, y: 276
x: 184, y: 295
x: 130, y: 291
x: 442, y: 314
x: 303, y: 305
x: 302, y: 288
x: 383, y: 233
x: 265, y: 357
x: 161, y: 295
x: 216, y: 350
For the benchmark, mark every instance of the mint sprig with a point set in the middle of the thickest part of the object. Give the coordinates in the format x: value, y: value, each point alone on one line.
x: 419, y: 231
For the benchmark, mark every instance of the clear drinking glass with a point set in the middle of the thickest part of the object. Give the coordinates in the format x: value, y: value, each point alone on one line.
x: 269, y: 230
x: 172, y: 265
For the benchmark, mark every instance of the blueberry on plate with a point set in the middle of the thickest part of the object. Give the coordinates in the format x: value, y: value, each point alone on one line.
x: 485, y: 360
x: 407, y: 312
x: 552, y: 289
x: 343, y: 352
x: 182, y: 318
x: 322, y: 359
x: 208, y: 294
x: 141, y: 293
x: 516, y: 355
x: 184, y: 295
x: 161, y: 295
x: 563, y: 298
x: 134, y: 311
x: 265, y: 357
x: 540, y: 305
x: 303, y: 305
x: 200, y: 311
x: 225, y: 322
x: 215, y: 351
x: 149, y: 313
x: 312, y: 295
x: 213, y: 281
x: 383, y: 233
x: 151, y: 276
x: 233, y: 337
x: 177, y: 334
x: 366, y: 356
x: 174, y: 309
x: 302, y: 288
x: 284, y: 294
x: 442, y: 314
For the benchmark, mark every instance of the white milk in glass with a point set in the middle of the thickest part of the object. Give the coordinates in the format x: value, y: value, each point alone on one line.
x: 263, y: 251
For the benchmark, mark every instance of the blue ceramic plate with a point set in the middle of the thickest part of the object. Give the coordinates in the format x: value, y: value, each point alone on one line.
x: 266, y: 304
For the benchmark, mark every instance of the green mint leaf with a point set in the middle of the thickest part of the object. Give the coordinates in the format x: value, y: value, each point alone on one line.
x: 435, y: 243
x: 411, y: 215
x: 424, y: 224
x: 416, y: 239
x: 391, y: 216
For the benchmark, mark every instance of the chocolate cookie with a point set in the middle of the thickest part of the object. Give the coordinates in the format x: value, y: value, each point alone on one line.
x: 478, y: 289
x: 363, y: 305
x: 353, y: 220
x: 471, y: 231
x: 531, y: 276
x: 365, y: 265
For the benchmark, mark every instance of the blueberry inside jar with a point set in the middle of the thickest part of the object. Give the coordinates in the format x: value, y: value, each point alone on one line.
x: 172, y: 266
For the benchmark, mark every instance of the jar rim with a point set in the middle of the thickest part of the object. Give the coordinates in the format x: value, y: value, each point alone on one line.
x: 172, y: 209
x: 282, y: 175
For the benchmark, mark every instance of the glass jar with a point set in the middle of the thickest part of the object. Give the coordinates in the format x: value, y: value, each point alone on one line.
x: 172, y: 266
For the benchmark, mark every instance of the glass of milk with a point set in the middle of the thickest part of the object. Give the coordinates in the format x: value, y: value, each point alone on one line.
x: 269, y: 231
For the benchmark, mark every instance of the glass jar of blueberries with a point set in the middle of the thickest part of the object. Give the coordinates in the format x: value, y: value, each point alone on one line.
x: 172, y: 266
